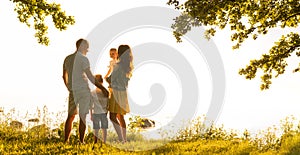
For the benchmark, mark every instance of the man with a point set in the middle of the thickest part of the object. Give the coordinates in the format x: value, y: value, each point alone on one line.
x: 76, y: 73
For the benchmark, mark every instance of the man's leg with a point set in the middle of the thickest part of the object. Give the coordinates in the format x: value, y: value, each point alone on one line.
x: 82, y: 128
x: 72, y: 111
x: 68, y: 127
x: 84, y: 102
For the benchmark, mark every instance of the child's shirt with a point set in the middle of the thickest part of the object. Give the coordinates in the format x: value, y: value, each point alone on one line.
x: 112, y: 63
x: 99, y: 102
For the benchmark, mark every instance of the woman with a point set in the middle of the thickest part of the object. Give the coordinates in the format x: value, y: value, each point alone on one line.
x: 118, y: 102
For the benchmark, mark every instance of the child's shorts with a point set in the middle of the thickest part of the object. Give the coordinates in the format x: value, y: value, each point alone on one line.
x: 97, y: 118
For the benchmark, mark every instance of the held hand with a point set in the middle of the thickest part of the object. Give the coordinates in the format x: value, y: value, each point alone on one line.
x: 108, y: 79
x: 100, y: 86
x: 105, y: 92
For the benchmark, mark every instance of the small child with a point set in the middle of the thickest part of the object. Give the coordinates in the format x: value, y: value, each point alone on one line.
x: 98, y: 111
x: 114, y: 59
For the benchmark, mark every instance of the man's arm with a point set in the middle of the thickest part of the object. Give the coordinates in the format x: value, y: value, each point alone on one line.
x: 91, y: 77
x: 65, y: 77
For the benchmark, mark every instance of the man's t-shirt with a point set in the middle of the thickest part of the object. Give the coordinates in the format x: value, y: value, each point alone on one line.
x: 75, y: 65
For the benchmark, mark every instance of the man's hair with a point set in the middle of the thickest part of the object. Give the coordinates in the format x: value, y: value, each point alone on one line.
x: 80, y: 42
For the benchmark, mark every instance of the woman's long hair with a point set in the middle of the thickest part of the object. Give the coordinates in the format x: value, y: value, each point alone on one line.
x: 125, y: 59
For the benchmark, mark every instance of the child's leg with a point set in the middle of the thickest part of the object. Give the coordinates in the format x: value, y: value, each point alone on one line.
x: 96, y: 127
x: 96, y: 135
x: 104, y: 126
x: 104, y: 135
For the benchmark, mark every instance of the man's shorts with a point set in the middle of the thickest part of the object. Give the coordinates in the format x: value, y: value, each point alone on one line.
x: 97, y: 118
x: 79, y: 99
x: 72, y: 108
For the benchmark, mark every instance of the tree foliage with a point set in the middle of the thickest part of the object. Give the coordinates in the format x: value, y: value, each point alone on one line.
x: 246, y: 19
x: 34, y: 12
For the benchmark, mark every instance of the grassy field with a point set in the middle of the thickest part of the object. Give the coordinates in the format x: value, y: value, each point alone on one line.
x: 20, y: 143
x: 196, y: 139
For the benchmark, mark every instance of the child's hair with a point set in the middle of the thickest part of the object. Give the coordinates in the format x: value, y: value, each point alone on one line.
x: 99, y: 78
x: 113, y: 49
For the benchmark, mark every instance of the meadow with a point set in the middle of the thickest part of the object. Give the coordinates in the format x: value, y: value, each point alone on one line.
x: 194, y: 139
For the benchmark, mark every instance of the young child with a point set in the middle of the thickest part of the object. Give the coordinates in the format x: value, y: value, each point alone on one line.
x: 114, y: 59
x: 98, y: 111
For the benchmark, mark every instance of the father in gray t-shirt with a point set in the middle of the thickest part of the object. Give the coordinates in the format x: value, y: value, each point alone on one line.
x: 76, y: 72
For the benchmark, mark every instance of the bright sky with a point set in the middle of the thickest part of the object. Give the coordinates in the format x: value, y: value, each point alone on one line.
x: 32, y: 73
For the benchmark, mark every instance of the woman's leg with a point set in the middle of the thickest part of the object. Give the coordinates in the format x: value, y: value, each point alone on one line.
x: 113, y: 118
x: 123, y: 126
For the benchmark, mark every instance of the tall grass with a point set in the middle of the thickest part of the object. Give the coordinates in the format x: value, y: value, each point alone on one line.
x: 193, y: 139
x: 281, y: 139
